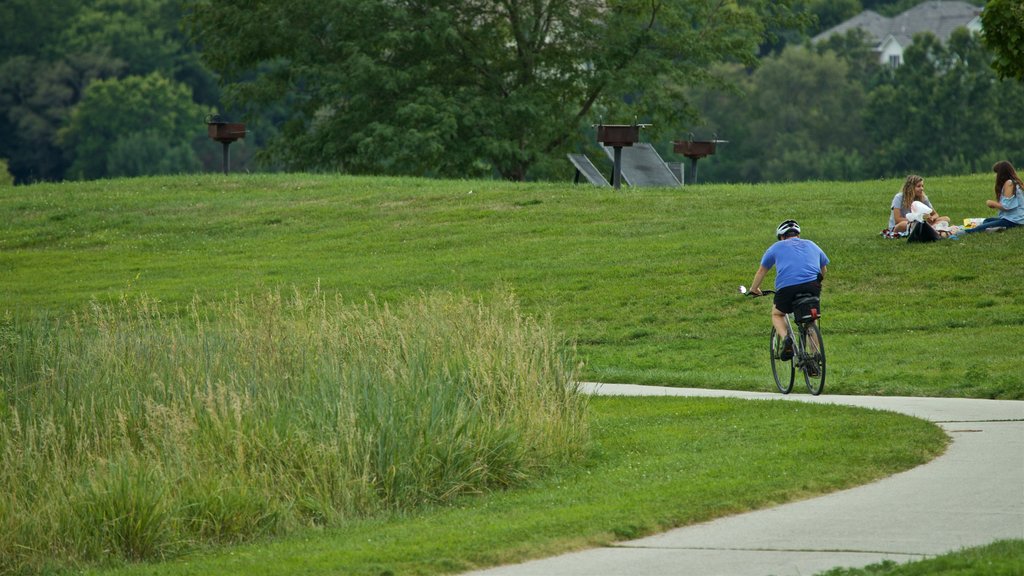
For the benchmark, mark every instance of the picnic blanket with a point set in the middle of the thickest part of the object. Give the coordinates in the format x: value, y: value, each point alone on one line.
x: 943, y: 228
x: 892, y: 234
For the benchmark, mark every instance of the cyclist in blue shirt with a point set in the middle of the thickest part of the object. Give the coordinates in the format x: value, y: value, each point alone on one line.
x: 800, y: 266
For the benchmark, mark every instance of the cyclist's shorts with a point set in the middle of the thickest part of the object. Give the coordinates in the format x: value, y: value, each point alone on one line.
x: 784, y: 297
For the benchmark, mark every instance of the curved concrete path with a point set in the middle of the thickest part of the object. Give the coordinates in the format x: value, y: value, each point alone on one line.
x: 972, y: 495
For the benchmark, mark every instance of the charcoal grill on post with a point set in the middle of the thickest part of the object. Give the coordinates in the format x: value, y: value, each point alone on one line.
x: 225, y: 133
x: 617, y: 136
x: 695, y: 150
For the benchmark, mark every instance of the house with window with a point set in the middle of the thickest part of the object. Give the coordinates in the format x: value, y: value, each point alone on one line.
x: 891, y: 36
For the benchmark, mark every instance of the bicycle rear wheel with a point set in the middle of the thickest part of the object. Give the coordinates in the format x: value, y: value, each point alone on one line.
x: 784, y: 371
x: 813, y: 362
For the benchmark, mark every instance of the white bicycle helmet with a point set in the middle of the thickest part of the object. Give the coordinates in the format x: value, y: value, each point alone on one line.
x: 785, y: 227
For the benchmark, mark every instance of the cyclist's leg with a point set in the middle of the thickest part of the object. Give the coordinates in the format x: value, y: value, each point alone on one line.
x: 782, y: 327
x: 779, y: 322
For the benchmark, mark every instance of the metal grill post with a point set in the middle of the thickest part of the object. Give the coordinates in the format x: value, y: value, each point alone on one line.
x: 225, y: 133
x: 617, y: 136
x: 695, y: 150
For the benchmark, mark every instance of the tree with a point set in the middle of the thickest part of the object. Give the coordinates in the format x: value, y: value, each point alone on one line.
x: 1003, y: 25
x: 33, y: 28
x: 798, y: 120
x: 822, y: 15
x: 129, y: 29
x: 31, y: 80
x: 115, y: 111
x: 36, y: 97
x: 149, y: 152
x: 829, y: 13
x: 50, y: 51
x: 802, y: 117
x: 944, y: 111
x: 467, y: 88
x: 856, y: 48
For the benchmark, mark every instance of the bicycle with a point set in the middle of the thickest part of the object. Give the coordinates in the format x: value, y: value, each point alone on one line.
x: 808, y: 346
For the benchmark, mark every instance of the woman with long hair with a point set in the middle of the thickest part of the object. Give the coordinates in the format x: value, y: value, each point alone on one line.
x: 1009, y: 200
x: 913, y: 191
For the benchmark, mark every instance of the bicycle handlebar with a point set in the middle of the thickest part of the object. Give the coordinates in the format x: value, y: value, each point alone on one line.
x: 745, y: 292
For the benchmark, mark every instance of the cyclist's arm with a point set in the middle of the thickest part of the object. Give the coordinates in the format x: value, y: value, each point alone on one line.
x: 821, y: 275
x: 755, y: 286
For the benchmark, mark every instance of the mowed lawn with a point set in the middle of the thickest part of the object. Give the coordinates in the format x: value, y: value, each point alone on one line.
x: 644, y: 280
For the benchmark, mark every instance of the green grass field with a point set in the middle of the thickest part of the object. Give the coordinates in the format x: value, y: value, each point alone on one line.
x: 1002, y: 557
x: 642, y: 281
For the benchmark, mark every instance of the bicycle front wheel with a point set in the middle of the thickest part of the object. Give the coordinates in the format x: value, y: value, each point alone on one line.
x: 783, y: 370
x: 813, y: 361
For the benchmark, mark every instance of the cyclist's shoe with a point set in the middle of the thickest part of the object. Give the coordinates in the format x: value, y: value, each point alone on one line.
x: 812, y: 370
x: 787, y: 349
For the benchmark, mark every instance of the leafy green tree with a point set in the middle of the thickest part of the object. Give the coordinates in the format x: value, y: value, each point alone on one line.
x: 114, y: 112
x: 829, y: 13
x: 1003, y: 25
x: 856, y: 48
x: 129, y: 29
x: 465, y: 88
x: 30, y: 101
x: 821, y: 15
x: 726, y: 110
x: 944, y: 111
x: 799, y: 120
x: 148, y: 153
x: 51, y: 50
x: 34, y: 27
x: 144, y: 34
x: 35, y: 101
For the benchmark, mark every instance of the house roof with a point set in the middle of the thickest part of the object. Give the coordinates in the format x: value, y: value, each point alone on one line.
x: 936, y: 16
x: 876, y: 25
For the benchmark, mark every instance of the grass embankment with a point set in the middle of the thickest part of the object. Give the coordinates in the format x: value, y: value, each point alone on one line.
x: 643, y: 279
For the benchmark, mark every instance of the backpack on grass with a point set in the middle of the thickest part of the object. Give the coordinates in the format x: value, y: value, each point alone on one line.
x: 922, y: 232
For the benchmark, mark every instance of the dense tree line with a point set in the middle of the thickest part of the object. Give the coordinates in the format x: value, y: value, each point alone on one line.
x: 830, y: 112
x: 477, y: 88
x: 102, y: 88
x: 98, y: 88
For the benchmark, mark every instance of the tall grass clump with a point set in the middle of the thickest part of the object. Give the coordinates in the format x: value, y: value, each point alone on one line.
x: 129, y: 431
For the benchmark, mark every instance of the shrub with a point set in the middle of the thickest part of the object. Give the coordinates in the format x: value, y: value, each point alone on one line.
x: 131, y: 432
x: 6, y: 179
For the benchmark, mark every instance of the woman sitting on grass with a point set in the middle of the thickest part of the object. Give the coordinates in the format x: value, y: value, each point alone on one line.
x: 1009, y: 200
x: 913, y: 190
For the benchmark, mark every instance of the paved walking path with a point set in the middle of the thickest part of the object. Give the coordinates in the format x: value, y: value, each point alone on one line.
x: 970, y: 496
